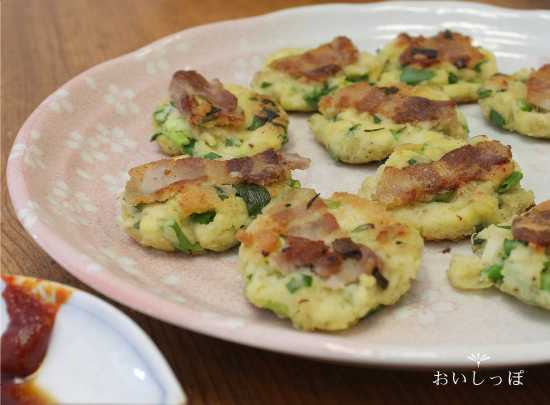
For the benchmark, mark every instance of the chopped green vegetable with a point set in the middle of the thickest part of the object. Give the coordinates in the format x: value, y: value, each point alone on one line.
x: 161, y: 115
x: 412, y: 162
x: 413, y: 76
x: 373, y: 129
x: 497, y: 119
x: 357, y: 78
x: 508, y: 246
x: 333, y: 204
x: 231, y: 142
x: 545, y: 277
x: 203, y: 217
x: 255, y: 196
x: 295, y: 283
x: 477, y: 241
x: 313, y: 98
x: 376, y: 119
x: 484, y: 93
x: 155, y: 136
x: 294, y: 183
x: 478, y: 65
x: 353, y: 128
x: 494, y: 273
x: 396, y: 133
x: 222, y: 195
x: 211, y: 156
x: 260, y: 120
x: 524, y: 105
x: 362, y: 228
x: 188, y: 148
x: 265, y: 85
x: 509, y: 182
x: 444, y: 197
x: 504, y: 226
x: 452, y: 78
x: 183, y: 243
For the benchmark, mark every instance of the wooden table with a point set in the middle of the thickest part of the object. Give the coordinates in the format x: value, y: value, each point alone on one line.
x: 47, y: 42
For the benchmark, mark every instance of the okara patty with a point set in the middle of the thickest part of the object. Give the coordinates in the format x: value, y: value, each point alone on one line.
x: 298, y: 78
x: 447, y: 60
x: 326, y: 263
x: 206, y: 119
x: 450, y: 189
x: 520, y: 102
x: 362, y: 123
x: 513, y: 257
x: 194, y: 205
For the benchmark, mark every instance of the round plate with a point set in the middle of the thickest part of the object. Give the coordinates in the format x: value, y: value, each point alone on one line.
x: 70, y: 159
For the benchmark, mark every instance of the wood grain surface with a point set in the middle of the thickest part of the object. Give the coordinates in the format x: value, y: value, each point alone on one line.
x: 47, y: 42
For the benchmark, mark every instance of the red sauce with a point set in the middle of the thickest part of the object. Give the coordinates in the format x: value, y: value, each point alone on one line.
x: 26, y: 339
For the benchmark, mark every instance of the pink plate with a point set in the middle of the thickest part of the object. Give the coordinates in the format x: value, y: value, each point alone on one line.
x: 69, y: 163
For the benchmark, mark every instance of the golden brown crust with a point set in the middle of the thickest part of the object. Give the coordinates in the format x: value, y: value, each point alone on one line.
x: 321, y: 63
x: 534, y: 226
x: 446, y: 46
x: 538, y: 87
x: 158, y: 181
x: 419, y: 182
x: 394, y: 103
x: 202, y: 101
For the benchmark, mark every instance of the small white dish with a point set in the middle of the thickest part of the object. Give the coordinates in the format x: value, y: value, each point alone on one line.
x: 98, y: 355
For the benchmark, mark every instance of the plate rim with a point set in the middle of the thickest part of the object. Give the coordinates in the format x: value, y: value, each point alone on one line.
x: 147, y: 302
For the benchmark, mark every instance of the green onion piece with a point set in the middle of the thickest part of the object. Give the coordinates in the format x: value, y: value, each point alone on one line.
x: 362, y: 228
x: 478, y: 65
x: 484, y: 93
x: 494, y: 273
x: 508, y: 246
x: 155, y: 136
x: 497, y: 119
x: 161, y: 115
x: 452, y: 78
x: 412, y: 162
x: 188, y: 149
x: 504, y: 226
x: 376, y: 119
x: 203, y: 217
x: 255, y: 196
x: 315, y: 96
x: 183, y: 243
x: 260, y: 120
x: 524, y: 105
x: 545, y: 277
x: 222, y: 195
x: 295, y: 283
x: 230, y: 142
x: 444, y: 197
x: 211, y: 156
x: 413, y: 76
x: 509, y: 182
x: 396, y: 133
x: 294, y: 183
x: 357, y: 78
x: 353, y: 128
x: 265, y: 85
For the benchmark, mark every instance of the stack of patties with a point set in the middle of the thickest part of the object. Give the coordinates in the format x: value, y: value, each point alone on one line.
x: 194, y: 205
x: 519, y: 102
x: 362, y: 123
x: 514, y: 257
x: 447, y: 61
x: 298, y: 78
x: 450, y: 189
x: 210, y: 120
x: 326, y: 263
